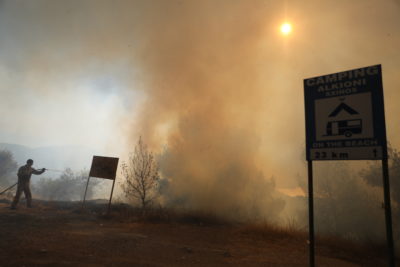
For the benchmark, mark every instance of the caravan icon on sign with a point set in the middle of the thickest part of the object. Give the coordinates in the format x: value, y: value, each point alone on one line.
x: 346, y: 128
x: 341, y: 118
x: 343, y: 127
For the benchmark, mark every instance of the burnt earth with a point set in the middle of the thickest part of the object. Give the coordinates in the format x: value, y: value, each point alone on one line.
x: 62, y: 235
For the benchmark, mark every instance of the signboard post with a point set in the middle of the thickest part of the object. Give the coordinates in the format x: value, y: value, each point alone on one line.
x: 106, y: 168
x: 345, y: 120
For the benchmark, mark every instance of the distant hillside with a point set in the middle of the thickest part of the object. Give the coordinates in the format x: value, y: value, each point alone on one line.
x: 53, y: 157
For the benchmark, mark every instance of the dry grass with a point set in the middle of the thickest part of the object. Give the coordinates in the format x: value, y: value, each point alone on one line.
x: 350, y: 249
x: 259, y: 234
x: 326, y: 245
x: 267, y: 230
x: 159, y: 214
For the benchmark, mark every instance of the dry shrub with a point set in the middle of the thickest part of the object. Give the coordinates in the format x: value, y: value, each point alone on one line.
x: 367, y: 253
x: 200, y: 218
x: 265, y: 230
x: 159, y: 214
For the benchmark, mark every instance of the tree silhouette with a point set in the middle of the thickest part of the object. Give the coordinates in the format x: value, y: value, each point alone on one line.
x: 7, y: 166
x: 141, y: 175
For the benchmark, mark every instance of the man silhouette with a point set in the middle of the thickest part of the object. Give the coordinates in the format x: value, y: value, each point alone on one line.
x: 24, y: 176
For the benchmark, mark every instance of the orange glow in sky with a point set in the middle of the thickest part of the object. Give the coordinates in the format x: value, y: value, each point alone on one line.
x: 286, y: 28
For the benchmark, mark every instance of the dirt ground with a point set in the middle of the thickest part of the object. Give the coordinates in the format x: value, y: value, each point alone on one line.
x: 51, y: 235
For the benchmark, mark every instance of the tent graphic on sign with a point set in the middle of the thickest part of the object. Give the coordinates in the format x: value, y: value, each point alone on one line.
x: 346, y: 127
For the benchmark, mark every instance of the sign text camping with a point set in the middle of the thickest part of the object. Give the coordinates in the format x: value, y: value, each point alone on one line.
x: 345, y: 115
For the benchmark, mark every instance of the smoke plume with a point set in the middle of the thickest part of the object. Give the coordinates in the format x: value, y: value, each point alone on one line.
x: 204, y: 101
x: 212, y: 86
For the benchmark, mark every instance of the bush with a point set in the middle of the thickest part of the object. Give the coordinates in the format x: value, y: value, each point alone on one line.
x: 345, y: 205
x: 68, y: 187
x: 8, y: 167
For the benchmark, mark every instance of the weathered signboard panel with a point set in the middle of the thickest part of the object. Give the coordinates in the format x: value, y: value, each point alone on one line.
x: 104, y: 167
x: 345, y: 120
x: 345, y: 115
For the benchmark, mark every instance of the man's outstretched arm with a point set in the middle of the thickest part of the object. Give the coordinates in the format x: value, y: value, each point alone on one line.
x: 37, y: 172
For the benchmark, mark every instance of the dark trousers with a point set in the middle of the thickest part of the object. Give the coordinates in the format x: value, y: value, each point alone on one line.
x: 23, y: 186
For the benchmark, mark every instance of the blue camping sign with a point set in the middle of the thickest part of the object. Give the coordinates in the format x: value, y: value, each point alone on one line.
x: 345, y: 117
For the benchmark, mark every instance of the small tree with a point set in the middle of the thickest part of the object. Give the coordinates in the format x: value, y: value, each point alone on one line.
x: 141, y: 175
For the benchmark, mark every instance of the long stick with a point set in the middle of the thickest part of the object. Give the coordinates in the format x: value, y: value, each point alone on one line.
x: 8, y: 188
x: 53, y: 170
x: 311, y: 214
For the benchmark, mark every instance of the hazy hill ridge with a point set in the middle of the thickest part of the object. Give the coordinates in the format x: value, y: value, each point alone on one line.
x: 52, y: 157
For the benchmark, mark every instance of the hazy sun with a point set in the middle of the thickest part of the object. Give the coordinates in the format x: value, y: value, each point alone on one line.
x: 286, y: 28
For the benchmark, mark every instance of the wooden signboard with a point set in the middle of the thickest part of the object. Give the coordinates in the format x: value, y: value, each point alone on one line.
x: 103, y: 167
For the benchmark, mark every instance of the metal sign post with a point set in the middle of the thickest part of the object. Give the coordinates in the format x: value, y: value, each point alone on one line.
x: 84, y: 196
x: 311, y: 214
x: 388, y: 212
x: 109, y: 203
x: 106, y: 168
x: 345, y: 120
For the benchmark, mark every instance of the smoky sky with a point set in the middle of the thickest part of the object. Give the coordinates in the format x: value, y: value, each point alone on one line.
x: 214, y: 82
